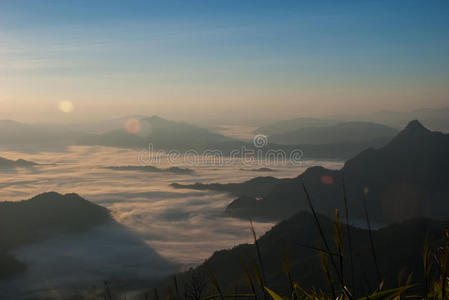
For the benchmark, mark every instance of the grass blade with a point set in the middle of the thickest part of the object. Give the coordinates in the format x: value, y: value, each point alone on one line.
x: 348, y: 228
x: 320, y: 230
x: 371, y: 240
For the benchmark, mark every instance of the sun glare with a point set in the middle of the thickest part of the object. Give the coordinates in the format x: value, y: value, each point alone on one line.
x: 65, y: 106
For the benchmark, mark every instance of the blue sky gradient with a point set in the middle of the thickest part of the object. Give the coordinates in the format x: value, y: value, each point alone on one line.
x: 185, y: 59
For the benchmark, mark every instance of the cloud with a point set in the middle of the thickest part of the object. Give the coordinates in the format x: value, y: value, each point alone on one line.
x: 182, y: 226
x: 108, y: 252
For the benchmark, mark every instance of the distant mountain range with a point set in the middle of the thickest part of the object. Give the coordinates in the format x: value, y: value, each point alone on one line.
x: 398, y: 246
x: 406, y: 178
x: 151, y: 169
x: 255, y: 187
x: 435, y: 119
x: 36, y: 137
x: 349, y: 132
x: 160, y: 133
x: 293, y: 124
x: 330, y: 138
x: 41, y: 217
x: 263, y: 169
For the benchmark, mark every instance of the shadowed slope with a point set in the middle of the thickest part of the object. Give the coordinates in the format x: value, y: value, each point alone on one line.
x: 64, y: 242
x: 398, y: 246
x: 42, y: 217
x: 406, y: 178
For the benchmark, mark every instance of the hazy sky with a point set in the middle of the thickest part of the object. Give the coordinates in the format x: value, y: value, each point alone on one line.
x: 201, y: 59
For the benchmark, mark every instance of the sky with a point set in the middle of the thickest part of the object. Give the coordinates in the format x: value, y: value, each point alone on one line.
x: 196, y: 60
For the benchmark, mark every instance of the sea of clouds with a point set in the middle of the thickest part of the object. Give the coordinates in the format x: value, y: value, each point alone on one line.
x: 160, y: 229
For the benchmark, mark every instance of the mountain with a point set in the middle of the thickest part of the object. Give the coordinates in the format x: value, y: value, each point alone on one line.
x: 293, y: 124
x: 160, y: 133
x: 335, y: 151
x: 10, y: 266
x: 340, y: 133
x: 127, y: 133
x: 255, y: 187
x: 93, y: 126
x: 398, y: 247
x: 7, y: 164
x: 41, y: 217
x: 433, y: 118
x: 151, y: 169
x: 36, y: 137
x: 406, y: 178
x: 45, y: 215
x: 263, y: 169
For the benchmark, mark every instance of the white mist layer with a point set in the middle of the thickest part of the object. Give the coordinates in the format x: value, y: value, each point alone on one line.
x: 184, y: 226
x: 80, y: 260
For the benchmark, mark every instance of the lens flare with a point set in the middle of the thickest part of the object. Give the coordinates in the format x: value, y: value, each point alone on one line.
x: 65, y: 106
x: 326, y: 179
x: 133, y: 126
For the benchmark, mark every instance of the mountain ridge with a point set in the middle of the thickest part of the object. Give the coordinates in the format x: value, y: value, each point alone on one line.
x: 354, y: 131
x: 405, y: 178
x: 8, y: 164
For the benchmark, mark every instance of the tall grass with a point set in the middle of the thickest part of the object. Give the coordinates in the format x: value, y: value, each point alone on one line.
x: 371, y: 240
x: 348, y: 228
x: 333, y: 265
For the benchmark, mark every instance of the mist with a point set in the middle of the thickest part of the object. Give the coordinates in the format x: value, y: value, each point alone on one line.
x: 147, y: 240
x: 141, y: 140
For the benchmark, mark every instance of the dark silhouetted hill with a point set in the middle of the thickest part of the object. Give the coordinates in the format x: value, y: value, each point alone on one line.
x: 255, y: 187
x: 7, y: 164
x: 9, y: 265
x: 42, y: 217
x: 406, y: 178
x: 399, y: 246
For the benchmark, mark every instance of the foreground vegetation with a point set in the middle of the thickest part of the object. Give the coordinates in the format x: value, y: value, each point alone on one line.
x: 336, y: 259
x: 338, y: 262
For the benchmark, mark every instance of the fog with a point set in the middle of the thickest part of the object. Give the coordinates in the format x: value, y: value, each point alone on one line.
x: 182, y: 226
x: 78, y: 262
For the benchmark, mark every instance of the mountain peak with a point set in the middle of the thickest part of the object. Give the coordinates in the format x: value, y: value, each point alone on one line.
x: 413, y: 132
x: 415, y: 125
x: 55, y: 196
x: 155, y: 118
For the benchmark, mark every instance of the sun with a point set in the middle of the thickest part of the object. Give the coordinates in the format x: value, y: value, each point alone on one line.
x: 65, y: 106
